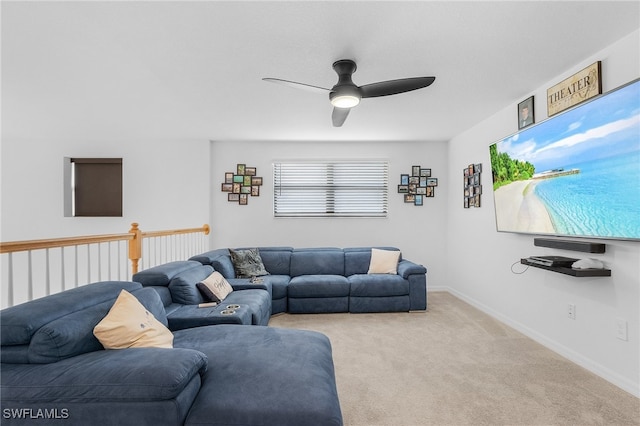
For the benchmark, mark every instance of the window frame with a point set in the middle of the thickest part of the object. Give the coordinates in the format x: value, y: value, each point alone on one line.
x: 330, y: 188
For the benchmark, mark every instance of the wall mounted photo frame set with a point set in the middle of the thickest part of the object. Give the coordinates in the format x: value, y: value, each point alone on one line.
x: 417, y: 185
x: 472, y: 185
x: 241, y: 184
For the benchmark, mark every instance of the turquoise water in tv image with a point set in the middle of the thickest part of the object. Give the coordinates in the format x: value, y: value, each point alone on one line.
x: 602, y: 200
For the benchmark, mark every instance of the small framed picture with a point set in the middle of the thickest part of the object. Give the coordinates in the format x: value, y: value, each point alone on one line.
x: 256, y: 181
x: 404, y: 179
x: 432, y: 181
x: 415, y: 170
x: 247, y: 180
x: 431, y: 191
x: 236, y: 188
x: 244, y: 199
x: 241, y: 168
x: 238, y: 178
x: 255, y: 190
x: 228, y: 177
x: 425, y: 172
x: 227, y: 187
x: 403, y: 189
x: 245, y: 189
x: 250, y: 171
x: 418, y: 200
x: 233, y: 197
x: 410, y: 198
x: 525, y: 113
x: 422, y: 190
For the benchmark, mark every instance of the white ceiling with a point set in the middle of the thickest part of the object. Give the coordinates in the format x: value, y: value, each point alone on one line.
x: 193, y: 70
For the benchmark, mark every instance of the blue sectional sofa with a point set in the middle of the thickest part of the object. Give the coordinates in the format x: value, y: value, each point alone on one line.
x: 55, y: 371
x: 176, y: 282
x: 328, y: 279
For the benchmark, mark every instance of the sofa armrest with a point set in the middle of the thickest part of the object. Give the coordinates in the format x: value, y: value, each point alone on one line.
x: 407, y: 267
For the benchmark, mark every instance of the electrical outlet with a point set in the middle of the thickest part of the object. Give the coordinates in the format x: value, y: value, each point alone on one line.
x: 621, y: 329
x: 571, y: 311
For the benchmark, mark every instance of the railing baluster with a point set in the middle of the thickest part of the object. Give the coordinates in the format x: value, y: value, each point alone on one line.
x: 10, y: 271
x: 76, y: 266
x: 29, y: 277
x: 62, y: 275
x: 47, y: 282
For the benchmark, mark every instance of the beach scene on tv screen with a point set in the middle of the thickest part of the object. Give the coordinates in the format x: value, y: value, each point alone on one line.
x: 575, y: 174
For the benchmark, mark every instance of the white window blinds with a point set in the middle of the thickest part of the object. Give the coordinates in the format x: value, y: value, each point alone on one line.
x: 330, y: 189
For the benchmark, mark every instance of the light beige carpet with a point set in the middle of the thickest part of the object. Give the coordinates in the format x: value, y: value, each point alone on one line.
x: 455, y: 365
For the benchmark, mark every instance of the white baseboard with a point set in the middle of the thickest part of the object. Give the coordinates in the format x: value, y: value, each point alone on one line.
x: 594, y: 367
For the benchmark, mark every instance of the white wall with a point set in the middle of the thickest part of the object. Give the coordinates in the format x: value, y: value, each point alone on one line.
x: 419, y: 231
x: 479, y: 259
x: 165, y: 186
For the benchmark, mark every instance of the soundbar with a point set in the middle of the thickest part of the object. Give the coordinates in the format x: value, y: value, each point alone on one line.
x: 584, y: 246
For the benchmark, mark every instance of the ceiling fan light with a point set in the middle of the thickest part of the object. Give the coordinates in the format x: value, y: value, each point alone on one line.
x: 345, y: 101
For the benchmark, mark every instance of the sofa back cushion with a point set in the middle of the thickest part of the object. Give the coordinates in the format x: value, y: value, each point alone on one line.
x: 72, y: 334
x: 357, y: 259
x: 162, y: 274
x: 19, y: 323
x: 317, y: 261
x: 183, y: 285
x: 276, y: 260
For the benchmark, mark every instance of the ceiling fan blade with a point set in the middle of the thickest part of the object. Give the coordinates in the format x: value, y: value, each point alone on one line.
x: 393, y: 87
x: 298, y: 85
x: 339, y: 115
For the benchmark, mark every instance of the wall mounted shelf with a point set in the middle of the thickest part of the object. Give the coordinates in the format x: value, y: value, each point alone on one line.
x: 571, y: 271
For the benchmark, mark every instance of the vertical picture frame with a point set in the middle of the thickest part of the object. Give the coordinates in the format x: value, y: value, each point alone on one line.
x: 526, y: 114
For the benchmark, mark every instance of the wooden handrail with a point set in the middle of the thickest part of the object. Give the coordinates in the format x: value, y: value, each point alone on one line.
x: 204, y: 229
x: 15, y: 246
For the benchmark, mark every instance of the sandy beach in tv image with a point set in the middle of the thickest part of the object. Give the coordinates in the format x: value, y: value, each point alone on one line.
x: 577, y: 173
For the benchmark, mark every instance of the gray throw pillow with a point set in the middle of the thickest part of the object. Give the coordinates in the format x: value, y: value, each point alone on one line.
x: 247, y: 263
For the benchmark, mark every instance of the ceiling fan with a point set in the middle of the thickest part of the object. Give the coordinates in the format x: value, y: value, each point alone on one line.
x: 346, y: 95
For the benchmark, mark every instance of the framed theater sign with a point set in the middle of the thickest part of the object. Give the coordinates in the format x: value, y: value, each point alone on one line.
x: 583, y: 85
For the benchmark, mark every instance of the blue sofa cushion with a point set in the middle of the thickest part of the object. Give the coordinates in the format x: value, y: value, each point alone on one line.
x: 263, y: 376
x: 183, y: 285
x: 378, y: 285
x: 19, y: 323
x: 72, y: 334
x: 358, y: 259
x: 247, y: 263
x: 135, y: 374
x: 276, y: 260
x: 317, y: 261
x: 162, y: 274
x: 306, y: 286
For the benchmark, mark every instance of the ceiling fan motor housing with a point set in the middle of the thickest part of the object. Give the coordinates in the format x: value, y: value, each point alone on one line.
x: 345, y: 94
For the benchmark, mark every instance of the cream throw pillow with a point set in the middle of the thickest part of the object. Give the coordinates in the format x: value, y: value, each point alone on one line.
x: 215, y: 287
x: 130, y: 325
x: 384, y: 261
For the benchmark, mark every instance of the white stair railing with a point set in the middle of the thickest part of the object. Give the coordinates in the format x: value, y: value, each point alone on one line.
x: 37, y: 268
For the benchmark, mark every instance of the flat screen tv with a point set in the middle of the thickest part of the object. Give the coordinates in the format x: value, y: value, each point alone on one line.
x: 575, y: 174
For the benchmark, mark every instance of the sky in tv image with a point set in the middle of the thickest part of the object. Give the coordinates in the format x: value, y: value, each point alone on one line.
x: 577, y: 173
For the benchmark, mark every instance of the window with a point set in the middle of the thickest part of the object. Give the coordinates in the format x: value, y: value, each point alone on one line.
x: 330, y: 189
x: 93, y: 187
